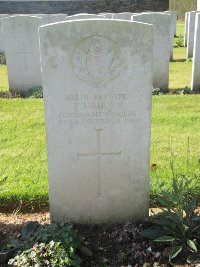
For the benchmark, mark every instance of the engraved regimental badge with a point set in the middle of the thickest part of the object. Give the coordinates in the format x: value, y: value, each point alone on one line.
x: 97, y: 60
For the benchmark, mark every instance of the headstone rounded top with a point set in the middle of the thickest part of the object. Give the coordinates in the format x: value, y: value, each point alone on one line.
x: 84, y: 16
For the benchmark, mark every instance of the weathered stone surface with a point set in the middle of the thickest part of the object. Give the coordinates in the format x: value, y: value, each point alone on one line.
x: 162, y: 45
x: 21, y: 42
x: 79, y: 6
x: 97, y: 81
x: 190, y: 35
x: 196, y: 58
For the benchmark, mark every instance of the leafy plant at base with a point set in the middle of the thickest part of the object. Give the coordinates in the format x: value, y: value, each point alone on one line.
x: 35, y: 92
x: 189, y: 59
x: 158, y: 91
x: 180, y: 41
x: 52, y: 254
x: 63, y: 236
x: 2, y: 59
x: 178, y: 224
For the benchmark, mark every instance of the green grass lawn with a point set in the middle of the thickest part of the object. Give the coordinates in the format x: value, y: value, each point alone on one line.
x: 23, y: 172
x: 23, y: 160
x: 3, y: 79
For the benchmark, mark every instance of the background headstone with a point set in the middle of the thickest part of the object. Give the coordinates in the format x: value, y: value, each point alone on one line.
x: 172, y: 31
x: 21, y: 42
x: 174, y: 14
x: 84, y: 16
x: 186, y: 28
x: 97, y: 82
x: 190, y: 35
x: 123, y: 16
x: 2, y: 49
x: 53, y: 18
x: 162, y: 45
x: 198, y: 5
x: 196, y: 58
x: 107, y: 15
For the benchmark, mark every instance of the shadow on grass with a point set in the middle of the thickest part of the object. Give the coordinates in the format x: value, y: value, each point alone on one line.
x: 9, y: 95
x: 23, y: 206
x: 179, y: 60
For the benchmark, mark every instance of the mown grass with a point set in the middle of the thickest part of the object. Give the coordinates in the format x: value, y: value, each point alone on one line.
x: 175, y: 130
x: 3, y: 79
x: 22, y: 151
x: 23, y: 160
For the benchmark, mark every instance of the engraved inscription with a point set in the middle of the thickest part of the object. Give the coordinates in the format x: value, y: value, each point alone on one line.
x: 24, y: 54
x: 98, y: 109
x: 99, y: 155
x: 97, y: 60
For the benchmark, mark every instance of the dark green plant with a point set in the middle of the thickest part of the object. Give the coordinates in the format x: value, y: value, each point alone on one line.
x: 51, y: 254
x: 158, y: 91
x: 35, y: 92
x: 179, y: 224
x: 2, y: 59
x: 180, y: 40
x: 189, y: 59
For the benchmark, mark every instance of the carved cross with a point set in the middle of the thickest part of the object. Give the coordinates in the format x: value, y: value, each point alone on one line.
x: 99, y: 154
x: 24, y: 53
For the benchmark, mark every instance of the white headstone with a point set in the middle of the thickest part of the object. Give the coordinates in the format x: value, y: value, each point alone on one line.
x: 198, y: 5
x: 186, y: 28
x: 98, y: 118
x: 174, y: 14
x: 196, y: 58
x: 190, y: 36
x: 162, y: 45
x: 172, y: 31
x: 53, y: 18
x: 2, y: 49
x: 21, y: 41
x: 123, y: 15
x: 84, y: 16
x: 107, y: 15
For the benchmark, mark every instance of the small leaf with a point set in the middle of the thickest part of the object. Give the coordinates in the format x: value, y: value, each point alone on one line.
x: 152, y: 233
x: 165, y: 238
x: 175, y: 218
x: 163, y: 221
x: 174, y: 252
x: 192, y: 245
x: 190, y: 207
x: 15, y: 243
x: 164, y: 203
x: 175, y: 186
x: 193, y: 259
x: 185, y: 227
x: 29, y: 229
